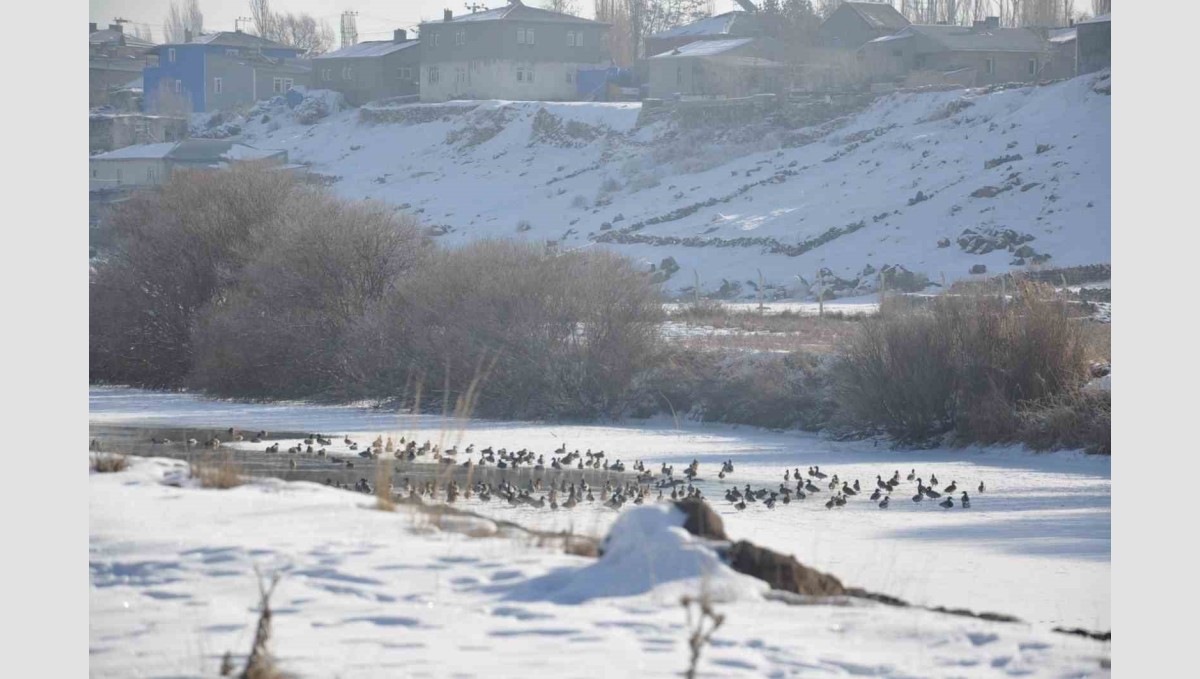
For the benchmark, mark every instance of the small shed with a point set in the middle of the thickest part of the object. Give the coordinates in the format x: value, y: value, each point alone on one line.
x: 152, y: 164
x: 993, y: 53
x: 718, y: 68
x: 725, y: 26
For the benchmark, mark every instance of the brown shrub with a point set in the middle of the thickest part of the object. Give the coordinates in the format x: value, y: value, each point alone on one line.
x: 965, y: 362
x: 174, y: 249
x: 217, y: 471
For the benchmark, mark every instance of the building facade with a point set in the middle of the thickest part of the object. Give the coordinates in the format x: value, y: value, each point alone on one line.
x: 512, y: 52
x: 371, y: 70
x: 977, y: 55
x: 717, y: 69
x: 114, y: 61
x: 1094, y: 44
x: 218, y: 71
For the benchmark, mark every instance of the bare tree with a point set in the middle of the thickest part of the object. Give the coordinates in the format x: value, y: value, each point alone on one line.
x: 621, y: 45
x: 1101, y: 7
x: 564, y: 6
x: 183, y: 17
x: 143, y: 32
x: 296, y: 30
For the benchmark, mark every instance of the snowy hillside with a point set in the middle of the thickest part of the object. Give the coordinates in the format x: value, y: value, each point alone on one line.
x: 1026, y: 170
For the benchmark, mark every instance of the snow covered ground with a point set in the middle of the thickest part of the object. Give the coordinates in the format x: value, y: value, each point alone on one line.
x: 1036, y: 544
x: 891, y: 181
x: 374, y: 594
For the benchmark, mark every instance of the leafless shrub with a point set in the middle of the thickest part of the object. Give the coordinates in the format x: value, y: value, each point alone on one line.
x: 565, y: 333
x: 174, y: 250
x: 260, y: 664
x: 320, y: 265
x: 965, y: 362
x: 701, y: 626
x: 1076, y: 420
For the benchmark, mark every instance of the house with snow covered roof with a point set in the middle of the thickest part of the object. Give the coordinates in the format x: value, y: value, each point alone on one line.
x: 219, y: 71
x: 511, y: 52
x: 853, y: 24
x: 727, y: 26
x: 981, y: 54
x: 371, y: 70
x: 152, y: 164
x: 736, y: 67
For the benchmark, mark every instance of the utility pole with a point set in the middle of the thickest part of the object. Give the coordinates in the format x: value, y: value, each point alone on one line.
x: 349, y: 28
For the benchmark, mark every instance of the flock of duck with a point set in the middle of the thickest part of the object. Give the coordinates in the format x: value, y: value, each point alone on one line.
x: 538, y: 493
x: 842, y: 490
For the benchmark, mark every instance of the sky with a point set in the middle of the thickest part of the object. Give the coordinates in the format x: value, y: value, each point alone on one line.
x: 376, y: 18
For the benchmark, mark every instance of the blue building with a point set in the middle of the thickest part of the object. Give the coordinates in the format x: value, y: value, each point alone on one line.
x: 220, y: 71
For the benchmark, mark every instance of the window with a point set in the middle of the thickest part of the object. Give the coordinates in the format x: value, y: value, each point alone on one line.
x: 460, y: 74
x: 216, y: 85
x: 1033, y: 67
x: 327, y: 74
x: 231, y: 52
x: 520, y: 74
x: 570, y: 78
x: 437, y: 38
x: 406, y: 73
x: 460, y: 38
x: 520, y: 36
x: 287, y: 84
x: 570, y: 38
x: 579, y: 38
x: 171, y: 54
x: 434, y: 76
x: 178, y: 86
x: 281, y: 85
x: 347, y: 73
x: 991, y: 66
x: 528, y: 36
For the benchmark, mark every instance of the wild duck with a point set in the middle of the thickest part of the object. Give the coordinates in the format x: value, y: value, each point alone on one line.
x: 931, y: 493
x: 918, y: 497
x: 947, y: 503
x: 933, y: 480
x: 880, y: 483
x: 740, y: 506
x: 883, y: 504
x: 911, y: 475
x: 952, y: 487
x: 966, y: 501
x: 818, y: 473
x: 877, y: 494
x: 981, y: 486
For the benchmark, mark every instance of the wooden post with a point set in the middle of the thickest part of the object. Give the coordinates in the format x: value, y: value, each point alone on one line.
x: 761, y: 308
x: 696, y: 287
x: 820, y: 294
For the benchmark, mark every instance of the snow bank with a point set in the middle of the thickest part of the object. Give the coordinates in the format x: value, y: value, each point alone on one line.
x: 646, y: 550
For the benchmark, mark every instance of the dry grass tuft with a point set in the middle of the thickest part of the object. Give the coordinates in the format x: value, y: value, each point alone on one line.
x: 219, y: 472
x: 103, y: 463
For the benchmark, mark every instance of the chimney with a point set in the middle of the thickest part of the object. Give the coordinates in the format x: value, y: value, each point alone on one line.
x: 399, y: 35
x: 91, y: 28
x: 992, y: 22
x: 447, y: 15
x: 116, y: 27
x: 187, y: 35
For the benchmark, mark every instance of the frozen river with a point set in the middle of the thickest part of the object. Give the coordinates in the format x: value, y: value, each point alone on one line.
x: 1036, y: 544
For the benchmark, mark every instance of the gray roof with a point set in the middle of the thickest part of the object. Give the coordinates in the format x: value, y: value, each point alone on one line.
x: 108, y: 36
x: 517, y: 11
x: 235, y: 39
x: 721, y: 24
x: 190, y: 151
x: 369, y: 48
x: 1102, y: 19
x: 704, y: 48
x: 878, y: 15
x: 966, y: 39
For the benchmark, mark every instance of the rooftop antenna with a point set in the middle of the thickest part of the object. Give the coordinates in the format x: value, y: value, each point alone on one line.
x: 237, y: 23
x: 474, y: 6
x: 349, y: 28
